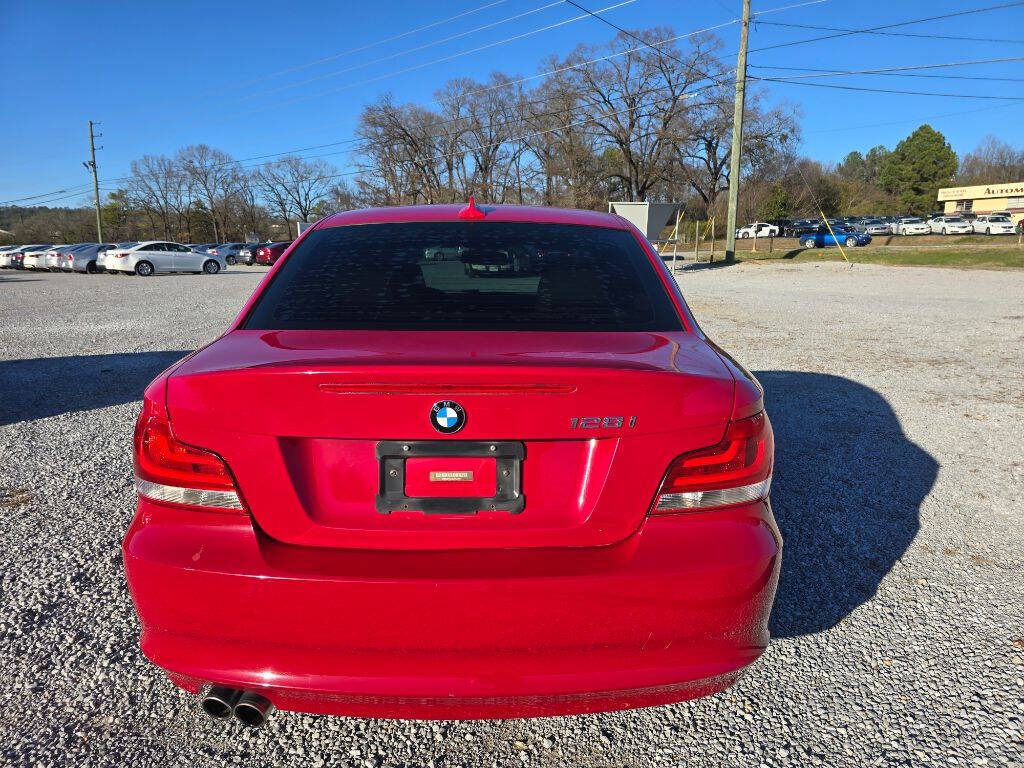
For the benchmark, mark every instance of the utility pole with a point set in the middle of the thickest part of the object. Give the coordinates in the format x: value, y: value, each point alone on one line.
x: 737, y: 137
x: 95, y: 181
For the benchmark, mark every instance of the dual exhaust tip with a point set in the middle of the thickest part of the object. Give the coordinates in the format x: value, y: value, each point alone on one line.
x: 250, y: 709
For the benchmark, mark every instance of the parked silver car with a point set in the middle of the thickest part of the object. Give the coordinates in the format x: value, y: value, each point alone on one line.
x: 150, y: 257
x: 83, y: 257
x: 227, y: 251
x: 247, y: 255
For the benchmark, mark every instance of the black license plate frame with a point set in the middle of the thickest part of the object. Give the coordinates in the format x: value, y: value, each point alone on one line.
x: 508, y: 458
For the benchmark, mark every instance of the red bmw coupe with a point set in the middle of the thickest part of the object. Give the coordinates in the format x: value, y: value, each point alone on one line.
x: 539, y: 492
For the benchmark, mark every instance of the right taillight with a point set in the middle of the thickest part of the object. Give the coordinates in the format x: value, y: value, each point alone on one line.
x: 736, y: 471
x: 173, y: 472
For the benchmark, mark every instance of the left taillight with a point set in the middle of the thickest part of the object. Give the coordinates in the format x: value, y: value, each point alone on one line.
x: 173, y: 472
x: 736, y: 471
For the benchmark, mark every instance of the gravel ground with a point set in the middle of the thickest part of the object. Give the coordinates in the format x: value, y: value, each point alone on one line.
x: 898, y: 401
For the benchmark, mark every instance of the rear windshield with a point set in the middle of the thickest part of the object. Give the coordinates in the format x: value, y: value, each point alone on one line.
x: 466, y: 276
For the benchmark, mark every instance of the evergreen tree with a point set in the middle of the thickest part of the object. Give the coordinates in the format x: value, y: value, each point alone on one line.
x: 915, y: 170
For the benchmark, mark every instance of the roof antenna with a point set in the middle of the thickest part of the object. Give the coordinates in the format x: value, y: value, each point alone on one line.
x: 471, y: 212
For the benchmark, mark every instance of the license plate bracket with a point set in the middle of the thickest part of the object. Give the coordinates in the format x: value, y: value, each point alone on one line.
x: 508, y: 458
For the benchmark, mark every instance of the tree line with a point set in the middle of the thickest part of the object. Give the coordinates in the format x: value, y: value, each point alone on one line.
x: 619, y: 121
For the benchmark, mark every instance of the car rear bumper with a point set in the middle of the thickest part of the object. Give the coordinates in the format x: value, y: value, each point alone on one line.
x: 674, y: 612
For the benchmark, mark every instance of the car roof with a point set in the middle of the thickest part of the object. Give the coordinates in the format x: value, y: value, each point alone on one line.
x: 496, y: 213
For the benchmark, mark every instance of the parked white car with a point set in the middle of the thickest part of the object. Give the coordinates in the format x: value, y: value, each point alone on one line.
x: 35, y: 258
x: 101, y: 258
x: 5, y: 255
x: 911, y: 226
x: 950, y: 225
x: 152, y: 256
x: 993, y: 224
x: 758, y: 229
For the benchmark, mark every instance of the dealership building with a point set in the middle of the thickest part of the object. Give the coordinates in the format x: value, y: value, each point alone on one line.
x: 985, y: 198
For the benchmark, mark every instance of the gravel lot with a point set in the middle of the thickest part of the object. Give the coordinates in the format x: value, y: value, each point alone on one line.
x: 898, y: 401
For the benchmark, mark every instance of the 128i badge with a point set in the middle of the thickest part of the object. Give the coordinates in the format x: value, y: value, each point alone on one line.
x: 447, y: 417
x: 607, y: 422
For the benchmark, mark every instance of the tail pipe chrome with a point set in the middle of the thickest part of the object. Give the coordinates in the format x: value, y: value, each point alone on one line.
x: 219, y: 701
x: 252, y: 710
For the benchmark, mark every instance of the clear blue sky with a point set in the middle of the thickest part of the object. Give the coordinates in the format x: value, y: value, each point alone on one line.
x: 162, y: 75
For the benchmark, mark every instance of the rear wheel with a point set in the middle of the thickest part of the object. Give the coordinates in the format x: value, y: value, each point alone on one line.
x: 230, y: 260
x: 211, y: 267
x: 143, y: 269
x: 988, y: 230
x: 90, y: 268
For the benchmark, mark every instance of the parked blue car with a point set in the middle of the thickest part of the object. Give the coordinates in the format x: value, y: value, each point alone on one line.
x: 823, y: 238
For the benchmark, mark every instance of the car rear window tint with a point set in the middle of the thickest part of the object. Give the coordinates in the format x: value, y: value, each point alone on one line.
x: 466, y: 276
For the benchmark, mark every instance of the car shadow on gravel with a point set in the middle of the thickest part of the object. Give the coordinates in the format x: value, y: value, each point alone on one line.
x: 847, y: 490
x: 50, y: 386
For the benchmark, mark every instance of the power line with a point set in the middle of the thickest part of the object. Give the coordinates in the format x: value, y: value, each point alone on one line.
x: 80, y: 193
x: 869, y: 30
x: 959, y: 38
x: 886, y: 90
x: 391, y: 56
x: 45, y: 194
x: 441, y: 60
x: 626, y: 32
x: 374, y: 44
x: 654, y: 45
x: 912, y: 119
x: 831, y: 72
x: 898, y: 70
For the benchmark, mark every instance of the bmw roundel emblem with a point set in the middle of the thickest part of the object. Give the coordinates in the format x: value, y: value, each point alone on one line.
x: 447, y: 416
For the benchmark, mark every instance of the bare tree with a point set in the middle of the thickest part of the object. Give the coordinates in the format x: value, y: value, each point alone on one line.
x: 993, y: 161
x: 293, y: 185
x: 632, y: 95
x: 246, y: 208
x: 214, y: 176
x: 490, y: 118
x: 406, y: 156
x: 568, y: 168
x: 160, y: 188
x: 702, y: 143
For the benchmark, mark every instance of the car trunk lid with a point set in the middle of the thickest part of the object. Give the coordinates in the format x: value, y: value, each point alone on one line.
x: 582, y: 424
